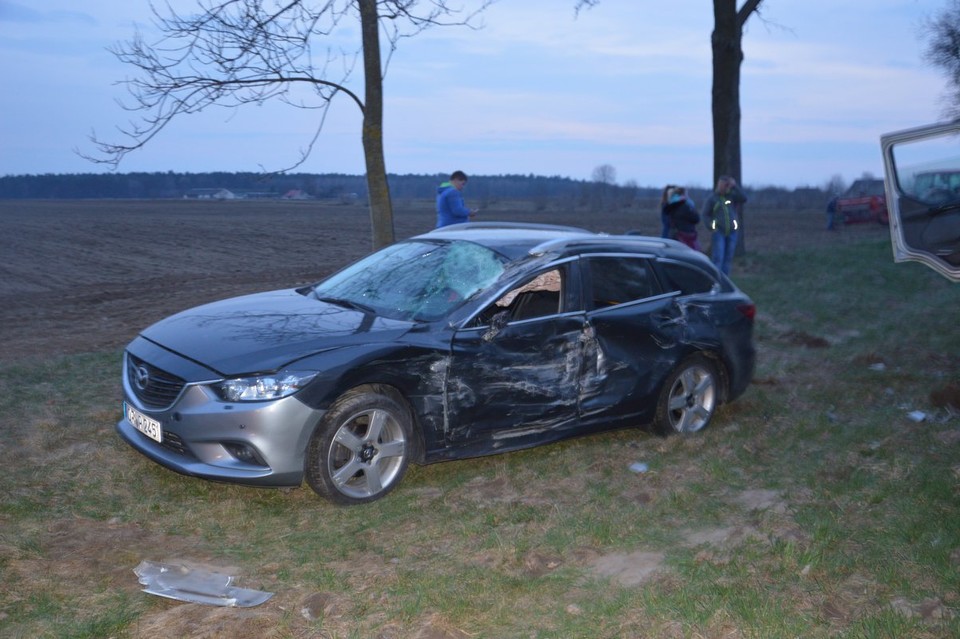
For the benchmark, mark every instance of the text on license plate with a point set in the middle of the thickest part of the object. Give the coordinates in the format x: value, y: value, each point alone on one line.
x: 146, y: 425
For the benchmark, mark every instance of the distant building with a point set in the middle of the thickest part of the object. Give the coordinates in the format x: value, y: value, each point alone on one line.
x: 209, y: 194
x: 296, y: 194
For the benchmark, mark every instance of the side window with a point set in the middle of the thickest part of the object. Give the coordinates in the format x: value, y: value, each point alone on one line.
x: 538, y: 297
x: 685, y: 279
x: 616, y: 280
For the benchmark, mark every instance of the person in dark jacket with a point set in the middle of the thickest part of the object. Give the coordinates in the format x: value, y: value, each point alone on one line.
x: 665, y: 229
x: 720, y: 216
x: 450, y: 206
x: 682, y: 216
x: 832, y: 213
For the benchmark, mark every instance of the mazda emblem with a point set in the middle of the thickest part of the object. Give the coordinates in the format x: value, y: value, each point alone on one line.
x: 141, y: 377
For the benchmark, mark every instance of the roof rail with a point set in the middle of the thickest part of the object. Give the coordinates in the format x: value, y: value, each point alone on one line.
x: 533, y: 226
x: 635, y: 240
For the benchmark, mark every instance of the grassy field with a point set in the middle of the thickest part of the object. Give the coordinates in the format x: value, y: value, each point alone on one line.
x: 823, y: 503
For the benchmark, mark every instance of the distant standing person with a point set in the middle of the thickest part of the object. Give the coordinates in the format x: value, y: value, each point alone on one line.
x: 832, y: 213
x: 664, y: 218
x: 450, y: 206
x: 720, y: 216
x: 682, y: 217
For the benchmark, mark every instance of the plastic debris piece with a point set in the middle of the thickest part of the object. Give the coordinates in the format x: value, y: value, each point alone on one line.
x: 176, y: 581
x: 917, y: 415
x: 639, y: 467
x: 879, y: 366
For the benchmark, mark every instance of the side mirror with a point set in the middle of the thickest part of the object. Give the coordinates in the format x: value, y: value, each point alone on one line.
x: 499, y: 321
x: 497, y: 324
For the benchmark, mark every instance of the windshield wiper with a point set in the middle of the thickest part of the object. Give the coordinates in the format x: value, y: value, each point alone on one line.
x: 347, y: 304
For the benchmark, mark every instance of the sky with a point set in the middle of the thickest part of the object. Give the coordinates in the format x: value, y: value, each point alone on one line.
x: 533, y: 89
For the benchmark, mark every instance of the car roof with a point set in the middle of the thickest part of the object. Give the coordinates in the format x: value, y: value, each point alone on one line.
x: 519, y: 240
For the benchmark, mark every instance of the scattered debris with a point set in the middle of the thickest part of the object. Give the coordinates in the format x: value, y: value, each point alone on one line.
x: 176, y: 581
x: 639, y: 467
x: 917, y: 415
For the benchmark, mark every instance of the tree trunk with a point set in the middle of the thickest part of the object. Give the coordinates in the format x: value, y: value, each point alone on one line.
x: 381, y: 209
x: 726, y: 41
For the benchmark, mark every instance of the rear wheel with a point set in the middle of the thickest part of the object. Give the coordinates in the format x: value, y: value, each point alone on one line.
x: 361, y: 449
x: 689, y: 397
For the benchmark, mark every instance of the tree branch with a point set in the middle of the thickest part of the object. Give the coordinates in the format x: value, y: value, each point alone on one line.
x: 237, y: 52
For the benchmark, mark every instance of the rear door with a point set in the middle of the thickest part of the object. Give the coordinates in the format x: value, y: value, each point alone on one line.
x: 922, y: 169
x: 636, y: 335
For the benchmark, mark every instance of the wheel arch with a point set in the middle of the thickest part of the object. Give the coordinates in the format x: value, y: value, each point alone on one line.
x: 723, y: 372
x: 386, y: 388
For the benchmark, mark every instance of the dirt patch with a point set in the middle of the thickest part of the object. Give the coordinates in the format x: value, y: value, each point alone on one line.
x: 629, y: 569
x: 801, y: 338
x: 638, y: 567
x: 947, y: 396
x: 203, y: 622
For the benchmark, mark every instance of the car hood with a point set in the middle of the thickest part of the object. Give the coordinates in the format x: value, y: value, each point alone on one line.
x: 267, y: 331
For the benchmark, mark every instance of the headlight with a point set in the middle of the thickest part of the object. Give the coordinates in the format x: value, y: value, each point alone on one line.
x: 263, y: 387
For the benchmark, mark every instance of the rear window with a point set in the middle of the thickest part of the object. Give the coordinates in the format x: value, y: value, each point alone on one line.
x: 617, y: 280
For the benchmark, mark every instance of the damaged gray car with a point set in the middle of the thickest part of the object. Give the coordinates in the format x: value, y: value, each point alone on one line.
x: 468, y: 340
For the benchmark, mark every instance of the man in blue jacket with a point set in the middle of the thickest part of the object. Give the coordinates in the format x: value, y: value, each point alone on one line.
x: 450, y: 206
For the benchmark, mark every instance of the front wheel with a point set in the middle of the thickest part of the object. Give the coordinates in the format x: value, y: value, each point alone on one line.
x: 361, y: 449
x: 688, y: 398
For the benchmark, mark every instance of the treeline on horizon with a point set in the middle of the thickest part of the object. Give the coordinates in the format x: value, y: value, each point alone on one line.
x: 342, y: 187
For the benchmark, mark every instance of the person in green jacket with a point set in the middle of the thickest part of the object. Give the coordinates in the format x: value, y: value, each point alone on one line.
x: 720, y: 216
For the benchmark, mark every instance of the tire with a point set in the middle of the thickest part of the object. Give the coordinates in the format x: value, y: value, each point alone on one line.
x: 688, y: 398
x: 361, y: 449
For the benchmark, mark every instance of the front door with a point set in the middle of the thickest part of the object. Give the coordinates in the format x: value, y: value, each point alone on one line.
x: 923, y: 191
x: 517, y: 373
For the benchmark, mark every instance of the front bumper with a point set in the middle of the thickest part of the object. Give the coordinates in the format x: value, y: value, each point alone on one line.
x: 252, y: 443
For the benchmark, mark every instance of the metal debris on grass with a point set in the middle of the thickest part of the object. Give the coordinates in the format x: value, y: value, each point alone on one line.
x: 176, y: 581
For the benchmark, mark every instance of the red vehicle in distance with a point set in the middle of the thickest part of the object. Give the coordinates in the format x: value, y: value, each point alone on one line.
x: 864, y: 201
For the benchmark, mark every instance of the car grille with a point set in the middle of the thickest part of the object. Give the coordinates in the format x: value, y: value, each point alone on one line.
x: 160, y: 388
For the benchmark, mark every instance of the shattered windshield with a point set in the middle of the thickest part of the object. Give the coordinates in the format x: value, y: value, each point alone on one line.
x: 415, y: 280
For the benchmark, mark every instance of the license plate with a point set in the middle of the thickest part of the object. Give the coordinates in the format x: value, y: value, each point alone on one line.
x: 146, y: 425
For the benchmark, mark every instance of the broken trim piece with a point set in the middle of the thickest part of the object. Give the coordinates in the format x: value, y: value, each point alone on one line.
x: 176, y: 581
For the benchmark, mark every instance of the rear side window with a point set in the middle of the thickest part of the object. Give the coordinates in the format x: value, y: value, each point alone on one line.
x: 617, y: 280
x: 686, y: 279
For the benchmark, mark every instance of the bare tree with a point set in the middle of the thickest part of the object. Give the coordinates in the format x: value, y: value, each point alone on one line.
x: 233, y: 53
x: 943, y: 52
x: 726, y: 42
x: 604, y: 178
x: 605, y: 174
x: 835, y: 185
